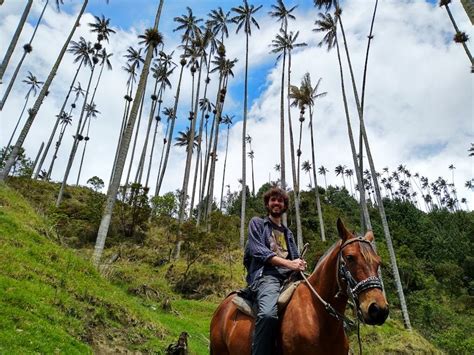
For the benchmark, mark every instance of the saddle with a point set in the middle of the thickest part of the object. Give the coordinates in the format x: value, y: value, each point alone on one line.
x: 243, y: 301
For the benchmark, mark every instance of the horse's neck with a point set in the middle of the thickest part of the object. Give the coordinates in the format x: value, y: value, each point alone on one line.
x: 324, y: 279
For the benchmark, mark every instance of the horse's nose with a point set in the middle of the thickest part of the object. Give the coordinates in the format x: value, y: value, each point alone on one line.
x: 377, y: 314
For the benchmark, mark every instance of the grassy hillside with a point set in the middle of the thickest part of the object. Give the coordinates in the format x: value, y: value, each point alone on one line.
x: 53, y: 300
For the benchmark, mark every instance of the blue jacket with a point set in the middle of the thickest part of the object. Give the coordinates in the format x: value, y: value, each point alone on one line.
x: 257, y: 250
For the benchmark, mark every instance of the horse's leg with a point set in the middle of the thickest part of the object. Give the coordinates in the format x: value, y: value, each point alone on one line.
x: 231, y: 330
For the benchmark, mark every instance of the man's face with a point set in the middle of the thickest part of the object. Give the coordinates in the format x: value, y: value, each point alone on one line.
x: 276, y: 206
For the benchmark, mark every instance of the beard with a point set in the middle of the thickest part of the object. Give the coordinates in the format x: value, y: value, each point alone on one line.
x: 276, y: 214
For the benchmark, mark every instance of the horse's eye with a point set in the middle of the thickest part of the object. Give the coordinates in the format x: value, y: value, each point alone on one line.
x: 349, y: 258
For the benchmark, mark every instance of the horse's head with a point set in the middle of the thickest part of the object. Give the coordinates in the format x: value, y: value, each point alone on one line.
x: 358, y: 267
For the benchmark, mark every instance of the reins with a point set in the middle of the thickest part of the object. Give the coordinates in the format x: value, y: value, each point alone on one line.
x: 353, y: 290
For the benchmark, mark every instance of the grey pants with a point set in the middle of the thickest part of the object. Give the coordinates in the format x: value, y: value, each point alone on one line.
x: 267, y: 290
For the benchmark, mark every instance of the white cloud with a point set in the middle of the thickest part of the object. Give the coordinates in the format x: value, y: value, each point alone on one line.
x: 418, y: 107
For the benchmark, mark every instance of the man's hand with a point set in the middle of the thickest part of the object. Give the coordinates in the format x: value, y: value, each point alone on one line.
x: 294, y: 265
x: 297, y: 265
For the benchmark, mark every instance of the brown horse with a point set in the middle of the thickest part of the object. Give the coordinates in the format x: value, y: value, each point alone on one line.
x: 347, y: 270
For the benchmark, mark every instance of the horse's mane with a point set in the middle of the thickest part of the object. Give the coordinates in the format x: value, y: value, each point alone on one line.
x: 326, y: 253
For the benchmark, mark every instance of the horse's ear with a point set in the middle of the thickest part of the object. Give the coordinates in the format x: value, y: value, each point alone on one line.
x: 341, y: 229
x: 369, y: 236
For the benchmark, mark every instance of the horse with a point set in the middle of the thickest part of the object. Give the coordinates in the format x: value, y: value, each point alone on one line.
x: 313, y: 320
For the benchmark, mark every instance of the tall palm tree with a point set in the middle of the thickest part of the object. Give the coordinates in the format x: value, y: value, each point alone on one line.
x: 459, y: 37
x: 34, y: 84
x: 134, y: 59
x: 64, y: 120
x: 184, y: 137
x: 244, y: 18
x: 282, y: 14
x: 163, y: 73
x: 251, y: 155
x: 14, y: 41
x: 34, y: 110
x: 306, y: 167
x: 153, y: 38
x: 100, y: 26
x: 339, y: 170
x: 91, y: 112
x: 227, y: 120
x: 27, y: 48
x: 312, y: 95
x: 378, y: 196
x: 224, y: 66
x: 198, y: 57
x: 188, y: 23
x: 82, y: 51
x: 322, y: 170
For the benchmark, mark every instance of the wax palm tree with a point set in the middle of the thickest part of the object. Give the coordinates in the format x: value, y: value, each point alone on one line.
x: 91, y: 112
x: 198, y: 53
x: 163, y: 72
x: 101, y: 26
x: 227, y: 120
x: 218, y: 21
x: 378, y: 196
x: 188, y: 23
x: 471, y: 150
x: 134, y: 59
x: 99, y: 55
x: 349, y: 174
x: 184, y: 137
x: 34, y: 110
x: 323, y: 171
x: 306, y: 167
x: 153, y: 38
x: 82, y: 51
x: 64, y: 120
x: 224, y: 66
x: 459, y: 37
x: 282, y: 14
x: 14, y: 41
x: 339, y: 170
x: 34, y: 84
x: 244, y: 18
x: 27, y: 48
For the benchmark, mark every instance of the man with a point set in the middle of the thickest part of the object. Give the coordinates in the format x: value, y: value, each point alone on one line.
x: 270, y: 256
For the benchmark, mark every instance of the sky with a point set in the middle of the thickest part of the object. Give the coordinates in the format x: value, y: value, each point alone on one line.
x: 418, y: 106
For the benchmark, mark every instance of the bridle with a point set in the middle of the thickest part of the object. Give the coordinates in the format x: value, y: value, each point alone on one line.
x: 354, y: 288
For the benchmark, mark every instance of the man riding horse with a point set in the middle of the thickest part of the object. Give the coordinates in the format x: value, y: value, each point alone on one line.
x: 270, y: 256
x: 313, y: 320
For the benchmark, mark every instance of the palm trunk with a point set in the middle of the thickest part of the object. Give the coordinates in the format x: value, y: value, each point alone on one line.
x: 75, y: 143
x: 199, y: 149
x: 113, y: 188
x: 161, y: 174
x: 33, y: 112
x: 225, y: 163
x: 141, y: 100
x: 17, y: 69
x: 16, y: 126
x: 83, y: 152
x: 296, y: 189
x: 190, y: 150
x: 282, y: 126
x: 14, y: 41
x: 388, y: 238
x: 318, y: 202
x: 55, y: 155
x: 244, y: 154
x: 37, y: 156
x: 468, y: 53
x: 53, y: 132
x: 141, y: 164
x: 154, y: 137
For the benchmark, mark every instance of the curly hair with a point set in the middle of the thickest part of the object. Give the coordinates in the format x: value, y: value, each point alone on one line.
x: 278, y: 192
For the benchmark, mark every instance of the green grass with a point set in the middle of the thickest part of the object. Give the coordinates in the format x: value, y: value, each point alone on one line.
x: 53, y: 300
